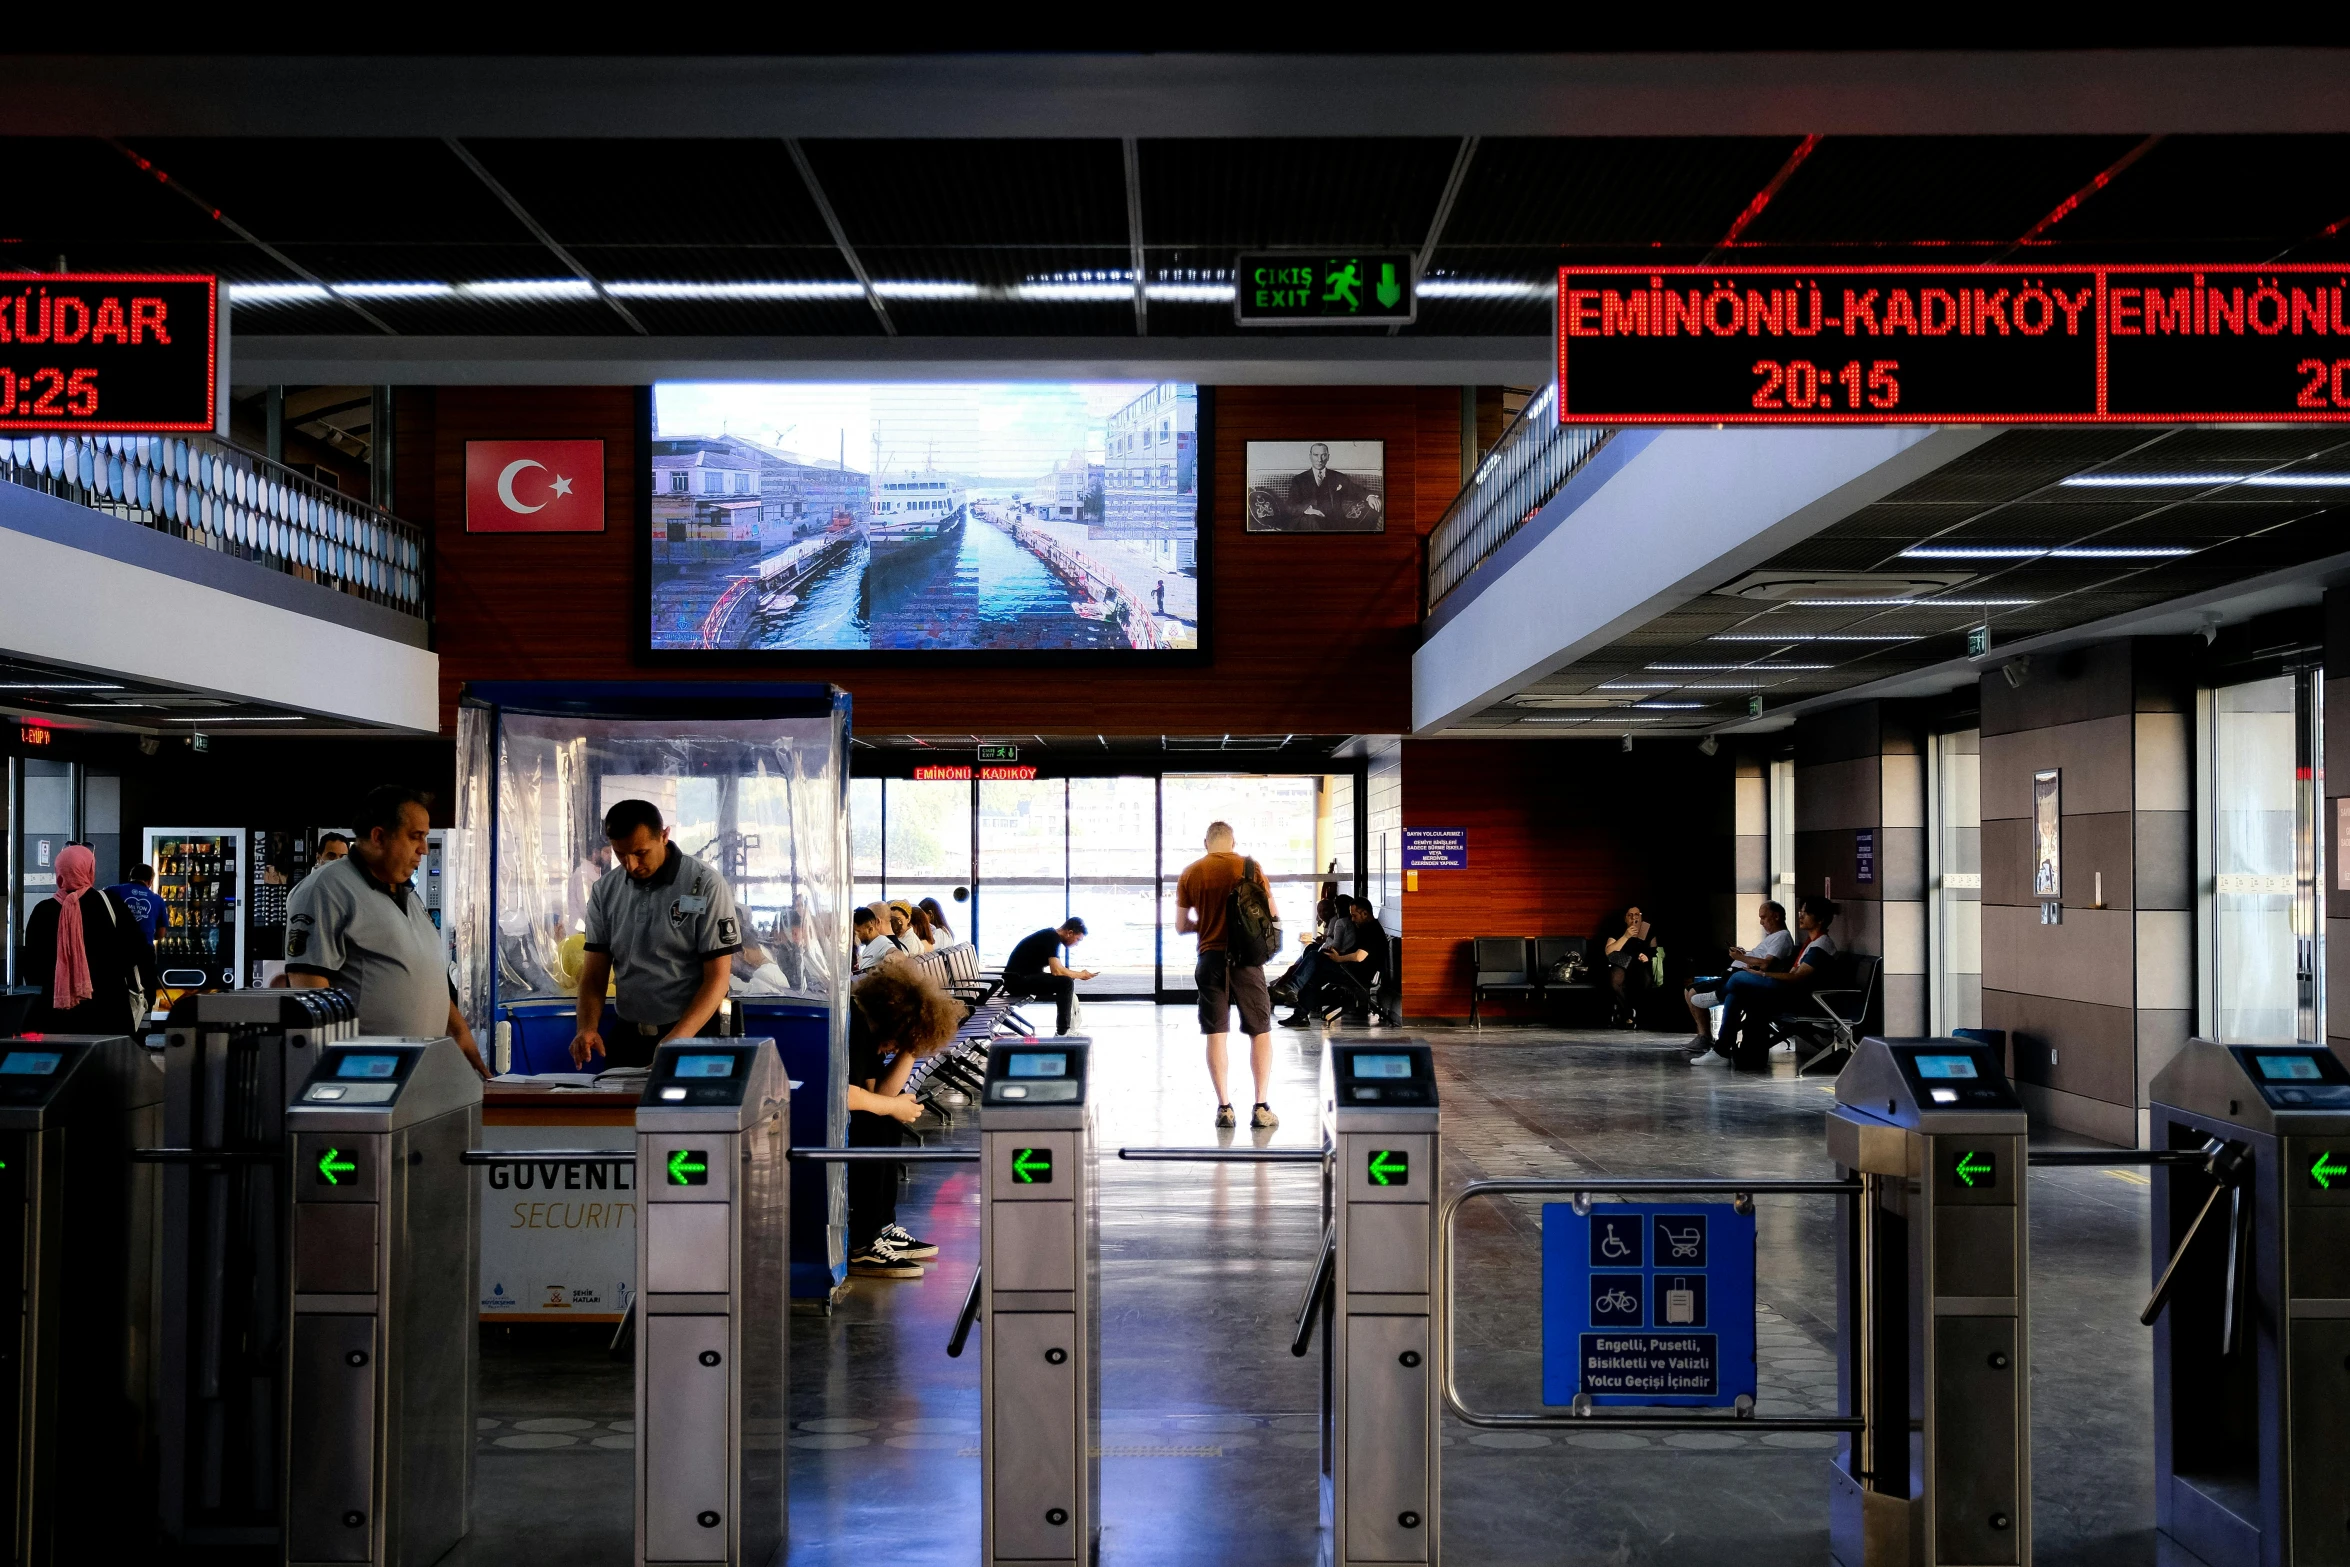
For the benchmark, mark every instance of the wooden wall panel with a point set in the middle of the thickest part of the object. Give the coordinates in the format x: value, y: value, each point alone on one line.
x: 1563, y: 834
x: 1309, y: 635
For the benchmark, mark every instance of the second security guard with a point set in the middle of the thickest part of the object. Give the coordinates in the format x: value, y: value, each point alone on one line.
x: 667, y: 925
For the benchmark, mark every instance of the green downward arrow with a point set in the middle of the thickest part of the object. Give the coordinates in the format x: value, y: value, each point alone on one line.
x: 1970, y: 1166
x: 684, y: 1165
x: 1389, y: 290
x: 332, y: 1164
x: 2326, y: 1168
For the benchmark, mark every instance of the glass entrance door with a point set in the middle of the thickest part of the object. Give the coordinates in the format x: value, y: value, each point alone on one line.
x: 2262, y: 849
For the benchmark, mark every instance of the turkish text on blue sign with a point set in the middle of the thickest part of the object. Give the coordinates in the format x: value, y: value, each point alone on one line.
x: 1435, y: 848
x: 1648, y: 1303
x: 1864, y: 856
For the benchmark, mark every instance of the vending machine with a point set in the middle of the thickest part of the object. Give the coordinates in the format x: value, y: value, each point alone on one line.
x: 200, y: 938
x: 275, y: 860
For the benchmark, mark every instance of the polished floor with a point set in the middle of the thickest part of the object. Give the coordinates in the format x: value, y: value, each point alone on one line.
x: 1209, y: 1451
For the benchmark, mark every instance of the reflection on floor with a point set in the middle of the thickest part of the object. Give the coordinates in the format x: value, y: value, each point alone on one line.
x: 1209, y: 1452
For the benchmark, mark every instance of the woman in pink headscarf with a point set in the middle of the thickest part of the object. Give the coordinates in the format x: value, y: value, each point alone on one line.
x: 86, y: 952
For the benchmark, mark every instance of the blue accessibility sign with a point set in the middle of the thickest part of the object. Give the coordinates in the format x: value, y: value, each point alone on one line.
x: 1648, y: 1303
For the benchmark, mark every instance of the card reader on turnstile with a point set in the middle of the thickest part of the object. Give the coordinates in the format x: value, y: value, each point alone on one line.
x: 1381, y: 1321
x: 1933, y: 1332
x: 713, y: 1261
x: 77, y: 1232
x: 1040, y: 1398
x: 2251, y: 1311
x: 380, y: 1354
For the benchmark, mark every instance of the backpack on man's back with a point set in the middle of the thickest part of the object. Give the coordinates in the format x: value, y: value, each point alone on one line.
x: 1252, y: 934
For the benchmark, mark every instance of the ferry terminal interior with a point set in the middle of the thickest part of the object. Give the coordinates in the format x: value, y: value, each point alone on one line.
x: 1759, y: 623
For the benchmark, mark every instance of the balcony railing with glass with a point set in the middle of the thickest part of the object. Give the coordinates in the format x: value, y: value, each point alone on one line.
x: 1534, y: 457
x: 238, y: 502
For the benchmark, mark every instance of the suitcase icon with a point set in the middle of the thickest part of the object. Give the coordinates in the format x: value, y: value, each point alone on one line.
x: 1680, y: 1304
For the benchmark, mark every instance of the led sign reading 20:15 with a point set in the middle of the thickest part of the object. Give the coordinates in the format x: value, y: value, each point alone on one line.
x: 1931, y: 345
x: 107, y: 351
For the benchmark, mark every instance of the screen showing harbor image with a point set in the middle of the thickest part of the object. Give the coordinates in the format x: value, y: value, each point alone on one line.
x: 834, y: 517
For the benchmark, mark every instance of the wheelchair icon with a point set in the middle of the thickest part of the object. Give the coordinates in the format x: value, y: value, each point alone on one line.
x: 1612, y: 1247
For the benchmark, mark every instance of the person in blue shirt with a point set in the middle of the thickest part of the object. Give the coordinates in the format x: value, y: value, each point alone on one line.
x: 140, y: 897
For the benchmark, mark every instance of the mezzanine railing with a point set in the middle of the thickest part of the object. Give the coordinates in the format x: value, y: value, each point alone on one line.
x: 1533, y: 458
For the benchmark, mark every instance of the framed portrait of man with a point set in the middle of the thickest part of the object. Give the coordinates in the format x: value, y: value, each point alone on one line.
x: 1317, y: 486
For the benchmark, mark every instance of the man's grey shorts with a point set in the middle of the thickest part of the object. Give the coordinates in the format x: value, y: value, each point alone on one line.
x: 1223, y: 985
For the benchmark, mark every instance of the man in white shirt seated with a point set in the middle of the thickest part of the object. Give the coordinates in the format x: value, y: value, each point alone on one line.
x: 873, y: 940
x: 1774, y: 952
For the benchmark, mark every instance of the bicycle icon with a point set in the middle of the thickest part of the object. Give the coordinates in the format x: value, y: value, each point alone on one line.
x: 1616, y: 1303
x: 1618, y: 1299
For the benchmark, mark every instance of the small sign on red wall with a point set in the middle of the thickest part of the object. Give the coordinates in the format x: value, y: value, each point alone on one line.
x: 534, y: 486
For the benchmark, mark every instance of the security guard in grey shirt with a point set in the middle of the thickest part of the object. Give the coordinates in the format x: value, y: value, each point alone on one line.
x: 666, y: 925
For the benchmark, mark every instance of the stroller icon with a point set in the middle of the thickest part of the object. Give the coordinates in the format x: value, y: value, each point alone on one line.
x: 1685, y: 1244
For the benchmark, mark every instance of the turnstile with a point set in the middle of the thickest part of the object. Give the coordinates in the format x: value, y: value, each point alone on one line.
x: 77, y: 1232
x: 1933, y: 1332
x: 1381, y: 1314
x: 713, y: 1265
x: 1040, y: 1398
x: 381, y: 1298
x: 231, y: 1061
x: 2251, y: 1311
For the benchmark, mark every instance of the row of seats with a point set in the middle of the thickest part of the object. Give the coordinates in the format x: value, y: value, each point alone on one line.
x: 962, y: 1066
x: 1524, y: 966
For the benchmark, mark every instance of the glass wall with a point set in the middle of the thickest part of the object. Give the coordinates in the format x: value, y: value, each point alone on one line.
x: 1782, y: 840
x: 1108, y: 850
x: 1955, y: 880
x: 2257, y: 965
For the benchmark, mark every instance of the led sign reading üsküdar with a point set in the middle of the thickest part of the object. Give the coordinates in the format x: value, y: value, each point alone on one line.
x: 107, y: 351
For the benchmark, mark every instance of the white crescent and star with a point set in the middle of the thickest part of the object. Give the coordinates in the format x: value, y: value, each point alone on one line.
x: 561, y: 487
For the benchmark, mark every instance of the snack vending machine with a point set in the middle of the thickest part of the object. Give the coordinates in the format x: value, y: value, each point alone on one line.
x: 200, y: 938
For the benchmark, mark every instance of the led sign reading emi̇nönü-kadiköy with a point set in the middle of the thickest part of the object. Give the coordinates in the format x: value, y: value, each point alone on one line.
x: 1935, y: 345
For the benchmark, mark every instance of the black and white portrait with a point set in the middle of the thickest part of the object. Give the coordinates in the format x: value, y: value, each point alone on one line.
x: 1317, y: 486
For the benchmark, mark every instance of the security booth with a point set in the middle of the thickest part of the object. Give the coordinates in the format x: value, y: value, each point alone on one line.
x: 77, y: 1242
x: 712, y: 1135
x: 1933, y: 1331
x: 1038, y: 1305
x: 231, y: 1063
x: 752, y: 779
x: 380, y: 1351
x: 1379, y: 1310
x: 2251, y: 1308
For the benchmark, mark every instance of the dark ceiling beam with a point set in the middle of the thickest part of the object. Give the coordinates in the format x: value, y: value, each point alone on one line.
x: 1860, y: 93
x: 2072, y: 203
x: 538, y: 231
x: 1142, y: 301
x: 1258, y: 359
x: 1462, y: 157
x: 840, y: 235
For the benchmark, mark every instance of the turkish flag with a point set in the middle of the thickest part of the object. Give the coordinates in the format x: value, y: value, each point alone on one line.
x: 534, y: 486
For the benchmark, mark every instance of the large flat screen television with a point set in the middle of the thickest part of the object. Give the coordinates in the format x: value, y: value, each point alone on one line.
x: 827, y: 518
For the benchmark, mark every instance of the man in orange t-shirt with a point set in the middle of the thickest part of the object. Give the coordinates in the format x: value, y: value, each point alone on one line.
x: 1201, y: 896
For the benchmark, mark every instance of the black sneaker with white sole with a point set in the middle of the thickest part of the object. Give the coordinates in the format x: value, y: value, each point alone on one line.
x: 881, y: 1260
x: 903, y: 1242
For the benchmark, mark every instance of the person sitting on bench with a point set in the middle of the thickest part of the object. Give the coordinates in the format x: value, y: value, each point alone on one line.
x: 1752, y: 998
x: 1034, y: 973
x: 1350, y: 976
x: 1775, y: 951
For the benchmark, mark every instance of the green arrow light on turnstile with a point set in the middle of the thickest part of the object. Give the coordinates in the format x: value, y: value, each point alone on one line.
x: 1390, y: 1167
x: 689, y: 1167
x: 1971, y: 1165
x: 1032, y: 1166
x: 332, y: 1166
x: 2325, y: 1169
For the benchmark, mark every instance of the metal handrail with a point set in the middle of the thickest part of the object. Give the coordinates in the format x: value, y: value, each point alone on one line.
x: 547, y: 1156
x: 1533, y: 459
x: 1226, y: 1155
x: 237, y: 502
x: 886, y: 1155
x: 1735, y: 1186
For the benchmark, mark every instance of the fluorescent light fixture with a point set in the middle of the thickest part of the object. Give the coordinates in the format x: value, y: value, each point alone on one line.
x: 529, y: 288
x: 1909, y: 603
x: 907, y: 288
x: 1191, y: 293
x: 208, y: 722
x: 1767, y: 669
x: 55, y: 685
x: 393, y: 290
x: 1671, y: 704
x: 276, y: 294
x: 1610, y: 719
x: 1073, y: 291
x: 848, y: 289
x: 1486, y: 288
x: 2064, y: 552
x: 1640, y: 685
x: 1813, y: 636
x: 2155, y: 481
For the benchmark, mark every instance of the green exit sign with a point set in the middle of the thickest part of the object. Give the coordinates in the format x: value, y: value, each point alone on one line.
x: 689, y: 1167
x: 999, y: 753
x: 1032, y: 1167
x: 1318, y: 288
x: 1978, y: 641
x: 1389, y: 1167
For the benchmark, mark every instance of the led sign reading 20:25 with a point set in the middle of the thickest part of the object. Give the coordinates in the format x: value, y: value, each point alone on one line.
x: 107, y: 351
x: 1926, y: 345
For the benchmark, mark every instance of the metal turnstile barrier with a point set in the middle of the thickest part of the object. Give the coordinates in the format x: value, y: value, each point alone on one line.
x: 77, y: 1231
x: 381, y: 1291
x: 2251, y: 1304
x: 230, y: 1061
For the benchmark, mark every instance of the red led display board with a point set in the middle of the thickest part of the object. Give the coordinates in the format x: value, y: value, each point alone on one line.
x: 108, y: 351
x: 1954, y: 345
x: 936, y: 772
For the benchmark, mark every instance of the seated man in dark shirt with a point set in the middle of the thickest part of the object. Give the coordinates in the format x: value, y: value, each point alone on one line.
x: 1351, y: 973
x: 1033, y: 972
